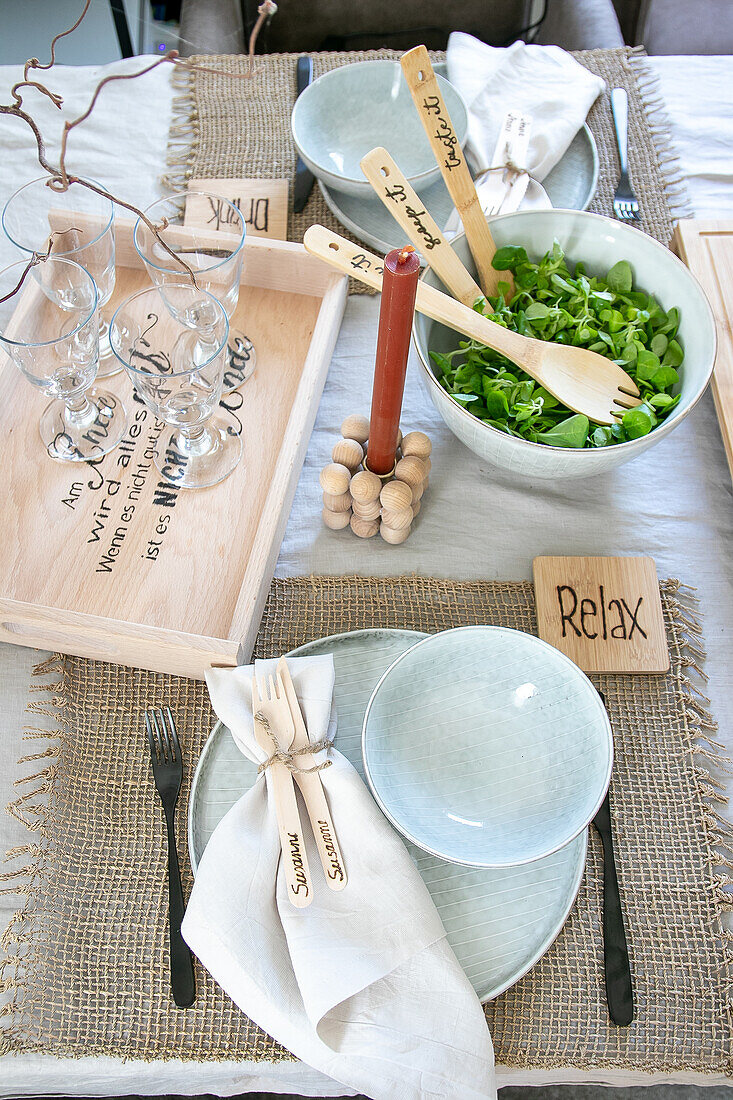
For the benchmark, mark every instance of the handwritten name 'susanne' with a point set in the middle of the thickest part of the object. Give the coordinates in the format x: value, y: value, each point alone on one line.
x: 300, y: 876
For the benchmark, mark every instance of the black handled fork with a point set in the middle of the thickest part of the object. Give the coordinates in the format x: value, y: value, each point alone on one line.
x: 165, y: 754
x: 619, y: 987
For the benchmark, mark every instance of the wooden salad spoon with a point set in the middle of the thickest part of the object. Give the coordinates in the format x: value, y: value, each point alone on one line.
x: 428, y: 99
x: 406, y: 207
x: 583, y: 380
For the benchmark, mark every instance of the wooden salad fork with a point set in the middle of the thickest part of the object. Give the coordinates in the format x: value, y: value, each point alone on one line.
x: 583, y: 380
x: 311, y: 788
x: 274, y: 728
x: 406, y: 207
x: 428, y: 99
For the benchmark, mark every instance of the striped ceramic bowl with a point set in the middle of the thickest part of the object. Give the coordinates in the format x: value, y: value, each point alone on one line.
x: 487, y: 747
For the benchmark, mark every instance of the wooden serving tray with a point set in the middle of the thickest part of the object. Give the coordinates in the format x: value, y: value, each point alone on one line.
x: 177, y: 582
x: 707, y: 249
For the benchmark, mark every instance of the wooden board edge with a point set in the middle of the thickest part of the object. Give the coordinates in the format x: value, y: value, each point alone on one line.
x: 113, y: 640
x: 250, y: 604
x: 692, y: 250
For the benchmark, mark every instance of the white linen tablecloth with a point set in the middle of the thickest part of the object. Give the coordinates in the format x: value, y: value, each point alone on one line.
x: 673, y: 503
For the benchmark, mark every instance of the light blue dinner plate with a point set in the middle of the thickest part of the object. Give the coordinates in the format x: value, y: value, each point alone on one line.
x: 570, y: 186
x: 498, y: 922
x: 487, y: 746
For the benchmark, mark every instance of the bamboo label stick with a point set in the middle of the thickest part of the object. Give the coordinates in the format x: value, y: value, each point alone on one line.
x: 408, y: 211
x: 428, y: 99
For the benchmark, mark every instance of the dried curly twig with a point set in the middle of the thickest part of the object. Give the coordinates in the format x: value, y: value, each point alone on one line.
x: 37, y: 258
x: 34, y: 63
x: 265, y: 11
x: 59, y: 178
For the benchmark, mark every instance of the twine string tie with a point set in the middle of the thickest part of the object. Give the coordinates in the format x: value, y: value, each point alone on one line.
x: 288, y: 757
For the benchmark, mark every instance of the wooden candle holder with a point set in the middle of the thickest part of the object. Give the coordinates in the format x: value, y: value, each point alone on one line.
x: 371, y: 503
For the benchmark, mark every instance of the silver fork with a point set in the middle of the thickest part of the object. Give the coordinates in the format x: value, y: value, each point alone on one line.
x: 625, y: 204
x: 165, y: 756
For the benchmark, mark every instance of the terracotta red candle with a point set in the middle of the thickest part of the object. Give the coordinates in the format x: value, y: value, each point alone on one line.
x: 399, y: 287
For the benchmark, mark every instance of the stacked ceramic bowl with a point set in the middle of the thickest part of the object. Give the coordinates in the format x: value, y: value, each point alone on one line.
x: 487, y: 747
x: 351, y: 110
x: 347, y: 112
x: 490, y: 751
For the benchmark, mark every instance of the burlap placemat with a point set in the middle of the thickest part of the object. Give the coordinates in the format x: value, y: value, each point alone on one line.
x: 86, y: 971
x: 227, y: 128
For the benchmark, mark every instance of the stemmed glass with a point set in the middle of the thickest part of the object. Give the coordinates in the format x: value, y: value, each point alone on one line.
x: 82, y: 223
x: 173, y: 343
x: 215, y: 260
x: 50, y: 329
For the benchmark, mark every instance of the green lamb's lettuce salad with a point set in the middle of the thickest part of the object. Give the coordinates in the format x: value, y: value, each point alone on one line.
x: 605, y: 315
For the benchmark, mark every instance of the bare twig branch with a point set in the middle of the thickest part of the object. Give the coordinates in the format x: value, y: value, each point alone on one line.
x: 156, y: 230
x: 7, y: 109
x: 59, y: 178
x: 53, y: 96
x: 265, y: 11
x: 36, y: 258
x: 69, y: 126
x: 34, y: 63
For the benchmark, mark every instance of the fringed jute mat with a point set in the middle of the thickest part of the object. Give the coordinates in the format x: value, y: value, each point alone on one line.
x: 86, y: 970
x: 241, y: 128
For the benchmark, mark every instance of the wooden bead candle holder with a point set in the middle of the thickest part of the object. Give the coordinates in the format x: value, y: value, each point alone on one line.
x: 371, y: 503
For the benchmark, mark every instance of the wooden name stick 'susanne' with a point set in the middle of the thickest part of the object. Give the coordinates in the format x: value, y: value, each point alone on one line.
x: 428, y: 98
x: 268, y: 711
x: 311, y: 786
x: 585, y: 381
x: 407, y: 209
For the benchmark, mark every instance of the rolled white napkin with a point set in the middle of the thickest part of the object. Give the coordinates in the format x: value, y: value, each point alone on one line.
x: 361, y: 984
x: 542, y: 81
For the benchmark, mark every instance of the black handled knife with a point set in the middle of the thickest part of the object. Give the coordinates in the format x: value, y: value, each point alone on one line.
x: 619, y: 990
x: 303, y: 176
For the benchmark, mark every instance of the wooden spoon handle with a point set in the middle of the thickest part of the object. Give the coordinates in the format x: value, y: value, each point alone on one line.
x: 406, y: 208
x: 426, y: 94
x: 353, y: 260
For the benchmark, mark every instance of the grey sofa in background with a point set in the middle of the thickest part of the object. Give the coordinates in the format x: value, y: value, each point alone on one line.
x: 216, y: 26
x: 685, y: 26
x: 211, y: 26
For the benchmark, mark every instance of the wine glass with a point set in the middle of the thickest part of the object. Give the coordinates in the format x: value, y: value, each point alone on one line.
x: 215, y: 260
x: 82, y: 223
x: 172, y: 340
x: 50, y: 329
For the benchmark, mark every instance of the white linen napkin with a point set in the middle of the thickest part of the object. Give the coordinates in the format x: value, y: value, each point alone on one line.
x: 542, y: 81
x: 361, y: 984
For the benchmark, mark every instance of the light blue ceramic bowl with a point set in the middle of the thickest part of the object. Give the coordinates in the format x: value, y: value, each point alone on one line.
x: 348, y: 111
x: 487, y: 747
